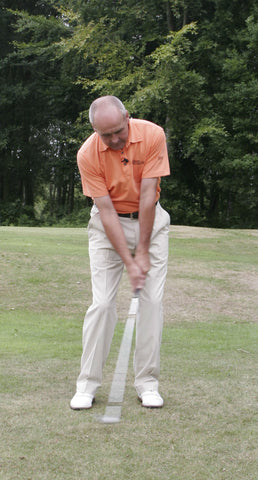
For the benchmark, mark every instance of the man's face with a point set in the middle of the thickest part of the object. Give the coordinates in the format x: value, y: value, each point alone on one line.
x: 112, y: 127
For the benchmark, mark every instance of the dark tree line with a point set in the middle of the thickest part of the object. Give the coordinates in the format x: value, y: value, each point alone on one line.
x: 189, y: 65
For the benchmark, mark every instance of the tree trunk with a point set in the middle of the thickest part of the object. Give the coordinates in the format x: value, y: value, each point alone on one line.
x: 185, y: 16
x: 170, y: 22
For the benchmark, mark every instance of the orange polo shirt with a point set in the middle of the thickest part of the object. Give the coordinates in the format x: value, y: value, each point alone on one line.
x: 103, y: 171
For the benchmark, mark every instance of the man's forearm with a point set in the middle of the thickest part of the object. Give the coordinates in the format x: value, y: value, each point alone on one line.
x: 146, y: 220
x: 113, y: 229
x: 146, y: 213
x: 116, y: 236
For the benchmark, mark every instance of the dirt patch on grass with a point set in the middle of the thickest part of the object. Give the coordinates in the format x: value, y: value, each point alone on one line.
x: 204, y: 294
x: 213, y: 277
x: 181, y: 231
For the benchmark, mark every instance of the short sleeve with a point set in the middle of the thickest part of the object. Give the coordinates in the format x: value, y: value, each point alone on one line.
x: 157, y: 162
x: 93, y: 182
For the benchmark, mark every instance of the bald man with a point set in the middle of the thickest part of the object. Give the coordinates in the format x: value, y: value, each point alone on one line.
x: 121, y: 165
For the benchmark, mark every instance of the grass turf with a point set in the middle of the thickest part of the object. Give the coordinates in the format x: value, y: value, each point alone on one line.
x: 207, y: 428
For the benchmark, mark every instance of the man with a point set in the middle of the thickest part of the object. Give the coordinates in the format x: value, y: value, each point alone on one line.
x: 120, y: 165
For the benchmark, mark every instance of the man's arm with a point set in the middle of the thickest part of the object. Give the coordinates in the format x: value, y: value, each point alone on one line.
x: 116, y: 236
x: 146, y: 220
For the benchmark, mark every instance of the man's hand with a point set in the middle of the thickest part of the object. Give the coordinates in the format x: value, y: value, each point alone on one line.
x: 139, y: 269
x: 143, y: 261
x: 136, y: 275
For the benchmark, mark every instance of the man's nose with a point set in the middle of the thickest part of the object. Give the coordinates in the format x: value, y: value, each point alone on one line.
x: 115, y: 138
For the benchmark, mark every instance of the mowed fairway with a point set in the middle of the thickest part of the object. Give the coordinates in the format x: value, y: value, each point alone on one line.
x: 207, y: 429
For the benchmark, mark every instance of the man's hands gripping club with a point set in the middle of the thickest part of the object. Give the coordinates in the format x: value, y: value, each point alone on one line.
x: 136, y: 275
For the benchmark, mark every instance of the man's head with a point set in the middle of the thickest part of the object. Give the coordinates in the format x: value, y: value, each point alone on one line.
x: 110, y: 120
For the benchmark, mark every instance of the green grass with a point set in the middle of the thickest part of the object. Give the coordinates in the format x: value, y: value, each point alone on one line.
x: 207, y: 429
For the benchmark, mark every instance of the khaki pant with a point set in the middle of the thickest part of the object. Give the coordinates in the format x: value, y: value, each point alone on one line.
x: 100, y: 319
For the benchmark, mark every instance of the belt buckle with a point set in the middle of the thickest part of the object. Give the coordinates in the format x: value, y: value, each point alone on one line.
x: 131, y: 216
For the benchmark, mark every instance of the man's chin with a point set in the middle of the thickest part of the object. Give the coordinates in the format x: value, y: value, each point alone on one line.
x: 116, y: 147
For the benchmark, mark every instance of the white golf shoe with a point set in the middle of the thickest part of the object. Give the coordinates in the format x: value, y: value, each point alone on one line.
x: 81, y: 400
x: 151, y: 399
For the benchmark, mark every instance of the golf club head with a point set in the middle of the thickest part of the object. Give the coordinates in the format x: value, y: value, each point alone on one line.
x: 108, y: 420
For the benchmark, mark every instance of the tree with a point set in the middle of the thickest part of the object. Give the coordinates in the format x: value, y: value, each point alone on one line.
x: 190, y: 66
x: 228, y: 45
x: 39, y: 98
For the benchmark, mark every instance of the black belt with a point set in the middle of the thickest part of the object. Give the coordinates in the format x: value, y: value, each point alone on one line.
x: 133, y: 215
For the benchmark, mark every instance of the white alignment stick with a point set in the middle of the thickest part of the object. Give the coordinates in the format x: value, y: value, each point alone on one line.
x: 116, y: 394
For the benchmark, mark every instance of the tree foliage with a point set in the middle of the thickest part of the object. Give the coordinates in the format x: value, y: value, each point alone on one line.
x: 188, y: 65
